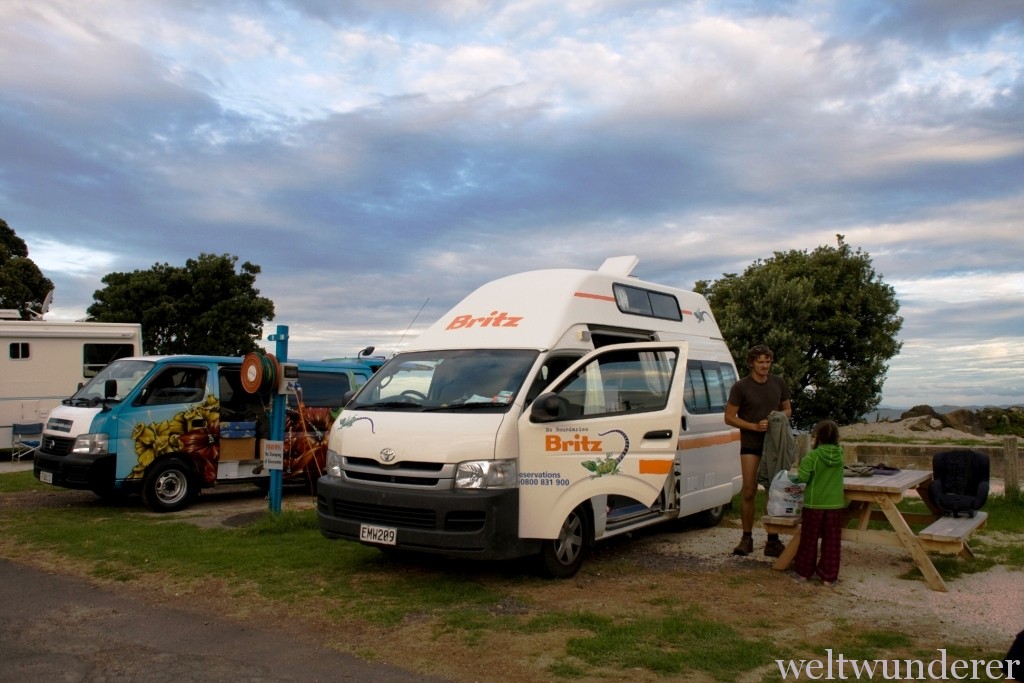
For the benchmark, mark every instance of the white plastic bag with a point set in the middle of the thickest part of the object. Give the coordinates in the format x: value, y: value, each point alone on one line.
x: 785, y: 498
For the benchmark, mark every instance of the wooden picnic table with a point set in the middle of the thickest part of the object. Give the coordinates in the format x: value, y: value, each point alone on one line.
x: 876, y: 498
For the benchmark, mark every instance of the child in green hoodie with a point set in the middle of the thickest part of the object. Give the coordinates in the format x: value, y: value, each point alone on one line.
x: 822, y: 471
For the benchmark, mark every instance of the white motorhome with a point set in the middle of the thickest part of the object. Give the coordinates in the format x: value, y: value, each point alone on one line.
x: 544, y: 412
x: 42, y: 362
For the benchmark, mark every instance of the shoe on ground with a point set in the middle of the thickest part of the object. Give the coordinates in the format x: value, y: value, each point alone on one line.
x: 745, y: 547
x: 774, y: 548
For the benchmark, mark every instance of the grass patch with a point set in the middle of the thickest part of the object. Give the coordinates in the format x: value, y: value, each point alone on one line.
x: 672, y: 644
x: 16, y: 482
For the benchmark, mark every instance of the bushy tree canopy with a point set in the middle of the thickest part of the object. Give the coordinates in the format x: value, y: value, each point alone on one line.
x: 22, y: 285
x: 830, y: 320
x: 203, y: 308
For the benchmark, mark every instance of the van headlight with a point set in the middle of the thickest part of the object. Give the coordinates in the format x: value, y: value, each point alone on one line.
x: 333, y: 463
x: 486, y: 474
x: 91, y: 444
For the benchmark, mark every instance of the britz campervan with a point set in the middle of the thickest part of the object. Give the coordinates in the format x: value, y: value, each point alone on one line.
x: 166, y: 427
x: 545, y: 411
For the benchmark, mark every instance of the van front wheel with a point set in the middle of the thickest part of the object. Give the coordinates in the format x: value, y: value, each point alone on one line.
x: 168, y: 486
x: 710, y: 518
x: 562, y: 557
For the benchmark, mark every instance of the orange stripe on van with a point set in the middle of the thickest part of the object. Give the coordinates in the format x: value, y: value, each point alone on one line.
x: 655, y: 466
x: 704, y: 442
x: 587, y: 295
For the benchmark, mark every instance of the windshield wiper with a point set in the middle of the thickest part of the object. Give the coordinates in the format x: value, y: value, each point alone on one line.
x: 471, y: 405
x: 387, y: 404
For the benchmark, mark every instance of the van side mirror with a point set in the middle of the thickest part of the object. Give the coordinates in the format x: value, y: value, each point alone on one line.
x: 548, y: 408
x: 347, y: 396
x: 110, y: 388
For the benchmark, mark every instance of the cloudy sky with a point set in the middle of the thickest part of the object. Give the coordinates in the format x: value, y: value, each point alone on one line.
x: 379, y: 159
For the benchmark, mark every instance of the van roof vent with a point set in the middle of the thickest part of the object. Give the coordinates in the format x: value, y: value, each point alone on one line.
x: 619, y: 265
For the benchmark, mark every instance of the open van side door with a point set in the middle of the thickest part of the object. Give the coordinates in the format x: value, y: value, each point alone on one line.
x: 607, y: 426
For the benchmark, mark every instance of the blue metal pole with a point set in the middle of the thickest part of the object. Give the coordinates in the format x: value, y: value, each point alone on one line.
x: 277, y: 418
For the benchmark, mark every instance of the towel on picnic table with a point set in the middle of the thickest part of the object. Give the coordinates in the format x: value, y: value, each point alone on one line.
x: 883, y: 469
x: 858, y: 469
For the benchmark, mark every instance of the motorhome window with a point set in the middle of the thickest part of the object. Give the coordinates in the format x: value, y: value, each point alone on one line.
x: 646, y: 302
x: 623, y: 381
x: 96, y: 356
x: 176, y: 385
x: 19, y: 351
x: 323, y: 389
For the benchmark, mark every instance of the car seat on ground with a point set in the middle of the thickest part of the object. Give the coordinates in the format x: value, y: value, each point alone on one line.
x: 959, y: 481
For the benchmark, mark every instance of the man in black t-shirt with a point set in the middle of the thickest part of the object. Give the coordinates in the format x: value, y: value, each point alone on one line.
x: 751, y: 400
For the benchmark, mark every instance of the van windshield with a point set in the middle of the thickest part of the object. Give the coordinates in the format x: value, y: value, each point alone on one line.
x: 127, y: 374
x: 465, y: 379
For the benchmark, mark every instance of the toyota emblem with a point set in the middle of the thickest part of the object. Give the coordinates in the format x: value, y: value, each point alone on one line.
x: 387, y: 454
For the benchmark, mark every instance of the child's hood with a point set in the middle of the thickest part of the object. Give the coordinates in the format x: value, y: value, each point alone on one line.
x: 831, y: 455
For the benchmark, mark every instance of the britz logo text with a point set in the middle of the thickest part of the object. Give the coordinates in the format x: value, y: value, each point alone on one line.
x: 495, y: 319
x: 577, y: 444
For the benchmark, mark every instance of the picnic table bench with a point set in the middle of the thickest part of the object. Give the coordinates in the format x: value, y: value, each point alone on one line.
x: 875, y: 498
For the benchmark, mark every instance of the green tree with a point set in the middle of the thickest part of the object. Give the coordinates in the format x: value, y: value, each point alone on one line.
x: 203, y: 308
x: 22, y: 285
x: 828, y: 317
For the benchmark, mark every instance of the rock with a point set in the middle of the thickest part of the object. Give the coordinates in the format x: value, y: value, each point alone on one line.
x: 919, y: 411
x: 924, y: 424
x: 965, y: 420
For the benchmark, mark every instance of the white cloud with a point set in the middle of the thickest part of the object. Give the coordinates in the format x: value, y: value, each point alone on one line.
x: 375, y: 157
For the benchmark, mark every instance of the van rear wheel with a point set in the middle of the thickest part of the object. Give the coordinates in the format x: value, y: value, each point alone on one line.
x: 562, y: 557
x: 168, y: 486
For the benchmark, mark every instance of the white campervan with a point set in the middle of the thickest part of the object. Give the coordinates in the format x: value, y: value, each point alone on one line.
x: 43, y: 362
x: 546, y: 411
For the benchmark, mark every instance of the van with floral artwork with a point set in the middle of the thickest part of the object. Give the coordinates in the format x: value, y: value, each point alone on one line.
x: 546, y: 411
x: 166, y: 427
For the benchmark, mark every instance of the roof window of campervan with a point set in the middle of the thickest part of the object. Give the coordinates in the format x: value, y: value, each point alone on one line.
x: 454, y: 379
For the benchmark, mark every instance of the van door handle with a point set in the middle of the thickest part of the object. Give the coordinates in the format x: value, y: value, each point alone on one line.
x: 659, y: 434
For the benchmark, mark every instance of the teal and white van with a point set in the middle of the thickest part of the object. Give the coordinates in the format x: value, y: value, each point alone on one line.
x: 168, y: 426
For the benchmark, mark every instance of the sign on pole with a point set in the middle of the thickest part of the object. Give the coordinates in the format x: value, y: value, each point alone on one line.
x: 273, y: 455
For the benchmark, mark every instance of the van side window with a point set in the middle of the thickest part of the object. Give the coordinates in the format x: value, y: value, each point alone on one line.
x: 19, y: 351
x: 176, y: 385
x: 696, y: 395
x: 623, y: 381
x: 707, y: 386
x: 552, y: 368
x: 322, y: 389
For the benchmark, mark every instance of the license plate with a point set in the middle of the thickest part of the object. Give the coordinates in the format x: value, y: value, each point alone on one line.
x: 381, y: 535
x: 45, y: 477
